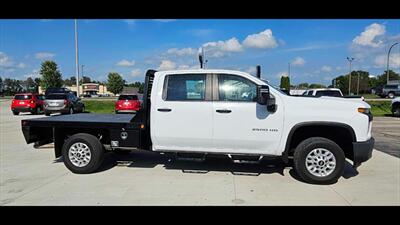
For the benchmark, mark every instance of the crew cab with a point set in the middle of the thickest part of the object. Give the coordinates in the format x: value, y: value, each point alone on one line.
x: 27, y: 102
x: 205, y: 112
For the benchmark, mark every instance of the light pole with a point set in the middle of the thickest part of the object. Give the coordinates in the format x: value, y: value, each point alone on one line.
x: 289, y: 74
x: 350, y: 59
x: 76, y: 58
x: 387, y: 68
x: 358, y: 82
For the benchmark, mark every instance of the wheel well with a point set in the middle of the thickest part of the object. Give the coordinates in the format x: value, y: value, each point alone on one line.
x: 61, y: 135
x: 342, y: 134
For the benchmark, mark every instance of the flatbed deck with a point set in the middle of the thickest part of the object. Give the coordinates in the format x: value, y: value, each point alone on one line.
x: 82, y: 119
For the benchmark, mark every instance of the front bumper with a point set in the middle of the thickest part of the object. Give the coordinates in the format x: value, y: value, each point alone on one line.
x: 362, y: 151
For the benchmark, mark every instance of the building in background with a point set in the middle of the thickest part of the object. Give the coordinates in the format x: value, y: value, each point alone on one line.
x: 86, y: 89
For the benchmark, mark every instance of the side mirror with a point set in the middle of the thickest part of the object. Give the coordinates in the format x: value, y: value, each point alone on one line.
x: 262, y: 94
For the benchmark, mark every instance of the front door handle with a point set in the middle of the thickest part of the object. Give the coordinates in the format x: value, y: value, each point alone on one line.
x: 164, y: 110
x: 223, y: 111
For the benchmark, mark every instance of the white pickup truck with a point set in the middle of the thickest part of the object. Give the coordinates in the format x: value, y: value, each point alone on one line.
x: 202, y: 112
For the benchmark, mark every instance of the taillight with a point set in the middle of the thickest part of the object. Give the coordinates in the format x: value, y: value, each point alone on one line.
x: 32, y: 101
x: 65, y: 102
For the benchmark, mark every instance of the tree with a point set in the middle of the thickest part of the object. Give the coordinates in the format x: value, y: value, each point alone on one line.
x: 51, y: 76
x: 71, y: 81
x: 139, y: 85
x: 30, y: 85
x: 285, y: 83
x: 115, y: 83
x: 317, y: 86
x: 303, y: 85
x: 85, y: 80
x: 12, y: 86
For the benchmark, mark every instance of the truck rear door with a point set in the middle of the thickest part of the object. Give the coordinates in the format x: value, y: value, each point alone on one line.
x: 182, y: 117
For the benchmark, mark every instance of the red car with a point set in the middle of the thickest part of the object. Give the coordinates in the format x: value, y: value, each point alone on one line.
x: 27, y: 102
x: 127, y: 104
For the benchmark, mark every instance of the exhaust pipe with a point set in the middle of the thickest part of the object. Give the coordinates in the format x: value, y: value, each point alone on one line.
x: 258, y: 71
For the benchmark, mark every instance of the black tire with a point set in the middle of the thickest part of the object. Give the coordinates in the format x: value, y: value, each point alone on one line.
x: 305, y: 147
x: 96, y: 151
x: 47, y: 113
x: 15, y: 113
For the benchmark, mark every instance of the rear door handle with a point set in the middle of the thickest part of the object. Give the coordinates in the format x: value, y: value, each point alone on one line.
x: 164, y: 110
x: 223, y: 111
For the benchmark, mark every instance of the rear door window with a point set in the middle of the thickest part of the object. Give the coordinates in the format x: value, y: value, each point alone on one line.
x: 185, y: 87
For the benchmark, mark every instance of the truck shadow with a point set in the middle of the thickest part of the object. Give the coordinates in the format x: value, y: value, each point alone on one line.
x: 144, y: 159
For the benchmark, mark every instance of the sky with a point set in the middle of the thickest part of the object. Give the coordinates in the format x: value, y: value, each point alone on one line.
x: 315, y: 49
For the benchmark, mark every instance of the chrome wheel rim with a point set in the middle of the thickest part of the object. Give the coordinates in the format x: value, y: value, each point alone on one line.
x: 320, y: 162
x: 79, y: 154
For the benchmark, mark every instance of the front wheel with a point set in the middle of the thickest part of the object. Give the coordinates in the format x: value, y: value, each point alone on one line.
x: 15, y: 113
x: 319, y: 160
x: 391, y: 95
x: 83, y: 153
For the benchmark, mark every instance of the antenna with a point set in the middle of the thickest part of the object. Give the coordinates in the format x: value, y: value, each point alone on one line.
x: 201, y: 59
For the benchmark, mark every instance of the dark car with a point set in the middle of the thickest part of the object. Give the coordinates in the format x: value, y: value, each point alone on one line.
x: 63, y: 103
x: 388, y: 90
x: 27, y: 102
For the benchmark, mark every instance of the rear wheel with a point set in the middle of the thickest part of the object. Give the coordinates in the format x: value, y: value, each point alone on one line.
x: 15, y: 113
x: 83, y: 153
x: 319, y: 160
x: 391, y: 95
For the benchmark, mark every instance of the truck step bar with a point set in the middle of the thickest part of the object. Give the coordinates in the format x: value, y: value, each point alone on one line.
x: 250, y: 159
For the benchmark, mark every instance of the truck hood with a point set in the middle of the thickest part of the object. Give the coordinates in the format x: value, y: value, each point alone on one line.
x: 326, y: 102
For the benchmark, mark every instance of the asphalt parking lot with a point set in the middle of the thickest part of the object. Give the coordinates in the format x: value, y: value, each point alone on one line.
x: 31, y: 176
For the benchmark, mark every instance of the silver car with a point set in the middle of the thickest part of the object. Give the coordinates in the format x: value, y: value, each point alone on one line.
x: 63, y: 103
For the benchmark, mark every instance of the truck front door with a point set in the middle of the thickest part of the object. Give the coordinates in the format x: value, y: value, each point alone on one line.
x: 241, y: 125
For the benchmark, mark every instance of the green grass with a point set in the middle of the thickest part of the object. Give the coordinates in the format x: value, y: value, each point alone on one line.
x: 380, y: 108
x: 370, y: 96
x: 99, y: 106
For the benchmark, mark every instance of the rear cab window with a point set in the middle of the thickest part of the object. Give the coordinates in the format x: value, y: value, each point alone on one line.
x: 328, y: 93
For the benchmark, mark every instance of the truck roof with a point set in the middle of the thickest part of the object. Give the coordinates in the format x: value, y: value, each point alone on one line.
x: 204, y: 71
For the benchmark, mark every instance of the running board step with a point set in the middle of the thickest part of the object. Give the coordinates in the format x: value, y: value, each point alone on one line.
x: 197, y: 157
x: 250, y: 159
